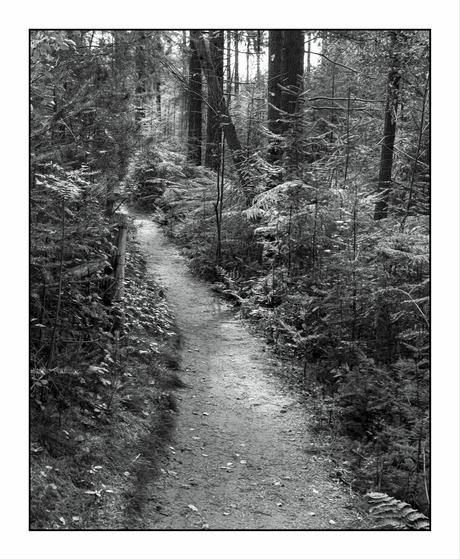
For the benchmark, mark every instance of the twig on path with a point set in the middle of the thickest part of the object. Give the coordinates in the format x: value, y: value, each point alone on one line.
x: 134, y: 460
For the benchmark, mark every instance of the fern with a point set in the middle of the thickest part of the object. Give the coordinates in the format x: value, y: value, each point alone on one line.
x: 284, y: 194
x: 391, y: 513
x: 229, y: 284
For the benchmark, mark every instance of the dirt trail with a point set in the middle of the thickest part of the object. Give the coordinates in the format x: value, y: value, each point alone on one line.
x: 239, y: 460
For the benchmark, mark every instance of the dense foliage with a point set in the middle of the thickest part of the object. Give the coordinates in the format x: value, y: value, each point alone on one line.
x: 102, y: 367
x: 318, y: 236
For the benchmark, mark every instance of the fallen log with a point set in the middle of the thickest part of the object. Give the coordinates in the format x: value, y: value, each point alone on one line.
x: 88, y: 268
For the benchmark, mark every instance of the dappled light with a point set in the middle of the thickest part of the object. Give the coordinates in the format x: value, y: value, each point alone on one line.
x: 230, y: 279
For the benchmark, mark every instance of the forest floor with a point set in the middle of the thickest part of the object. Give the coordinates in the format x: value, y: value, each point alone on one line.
x: 244, y: 455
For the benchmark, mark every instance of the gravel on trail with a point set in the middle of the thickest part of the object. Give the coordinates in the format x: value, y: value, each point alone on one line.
x: 242, y: 457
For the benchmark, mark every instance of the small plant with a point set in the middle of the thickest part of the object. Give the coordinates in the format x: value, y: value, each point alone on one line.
x: 390, y: 513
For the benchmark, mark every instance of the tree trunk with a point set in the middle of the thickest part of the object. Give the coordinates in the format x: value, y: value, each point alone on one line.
x: 195, y: 102
x: 389, y: 134
x: 183, y: 113
x: 275, y: 45
x: 292, y: 74
x: 285, y: 71
x: 140, y: 62
x: 229, y: 65
x: 120, y: 264
x: 293, y: 55
x: 237, y: 74
x: 215, y: 85
x: 309, y: 39
x: 258, y: 49
x: 275, y: 68
x: 212, y: 157
x: 248, y: 56
x: 156, y: 71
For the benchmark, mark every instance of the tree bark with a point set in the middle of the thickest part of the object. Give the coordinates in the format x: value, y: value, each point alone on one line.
x: 212, y: 154
x: 237, y: 54
x: 215, y: 85
x: 120, y: 267
x: 275, y: 68
x: 389, y: 134
x: 285, y: 71
x: 292, y: 74
x: 140, y: 62
x: 258, y: 50
x: 309, y: 39
x: 229, y: 65
x: 195, y: 102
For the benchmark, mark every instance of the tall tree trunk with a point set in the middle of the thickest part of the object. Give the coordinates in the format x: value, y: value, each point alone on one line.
x: 183, y: 113
x: 309, y: 39
x: 248, y: 56
x: 292, y: 74
x: 140, y: 62
x: 333, y: 119
x: 229, y: 65
x: 157, y: 72
x: 118, y: 57
x: 285, y: 72
x: 275, y: 68
x: 258, y: 51
x: 212, y: 154
x: 120, y: 263
x: 389, y: 133
x: 237, y: 54
x: 195, y: 102
x: 293, y: 55
x: 231, y: 136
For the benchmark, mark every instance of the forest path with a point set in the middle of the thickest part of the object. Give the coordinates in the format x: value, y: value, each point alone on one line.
x: 240, y: 458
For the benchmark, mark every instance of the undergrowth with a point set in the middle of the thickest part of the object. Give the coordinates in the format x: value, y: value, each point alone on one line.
x: 102, y: 417
x: 343, y: 297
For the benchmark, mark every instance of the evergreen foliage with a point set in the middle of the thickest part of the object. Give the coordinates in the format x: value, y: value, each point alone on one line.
x: 85, y: 344
x: 344, y: 295
x: 329, y: 285
x: 394, y: 514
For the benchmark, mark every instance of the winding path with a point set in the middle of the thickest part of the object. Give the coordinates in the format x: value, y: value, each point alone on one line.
x: 240, y: 458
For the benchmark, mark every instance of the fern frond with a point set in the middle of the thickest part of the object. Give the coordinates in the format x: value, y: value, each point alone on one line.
x: 268, y: 200
x: 228, y: 284
x: 391, y: 513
